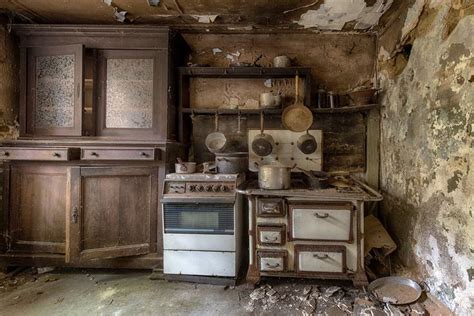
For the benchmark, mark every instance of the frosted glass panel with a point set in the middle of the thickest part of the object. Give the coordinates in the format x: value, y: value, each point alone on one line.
x: 54, y: 91
x: 129, y: 93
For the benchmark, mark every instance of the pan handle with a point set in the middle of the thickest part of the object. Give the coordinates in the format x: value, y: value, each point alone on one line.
x: 216, y: 122
x: 261, y: 122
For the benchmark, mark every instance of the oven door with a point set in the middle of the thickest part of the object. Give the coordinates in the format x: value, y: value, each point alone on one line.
x: 198, y: 218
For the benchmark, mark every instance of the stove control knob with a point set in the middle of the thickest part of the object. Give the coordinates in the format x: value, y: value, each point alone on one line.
x: 200, y: 188
x: 225, y: 188
x: 216, y: 188
x: 192, y: 188
x: 208, y: 188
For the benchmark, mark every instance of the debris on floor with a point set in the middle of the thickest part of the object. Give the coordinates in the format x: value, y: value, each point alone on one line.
x: 319, y: 299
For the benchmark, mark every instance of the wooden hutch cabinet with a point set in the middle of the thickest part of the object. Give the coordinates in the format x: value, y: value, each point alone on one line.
x: 81, y: 185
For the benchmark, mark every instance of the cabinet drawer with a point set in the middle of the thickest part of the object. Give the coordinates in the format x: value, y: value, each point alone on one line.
x: 91, y: 153
x: 271, y: 235
x: 321, y: 222
x: 34, y: 153
x: 271, y: 207
x: 272, y: 261
x: 320, y: 259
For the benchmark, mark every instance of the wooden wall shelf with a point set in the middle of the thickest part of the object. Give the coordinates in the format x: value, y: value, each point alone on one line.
x: 347, y: 109
x: 244, y: 72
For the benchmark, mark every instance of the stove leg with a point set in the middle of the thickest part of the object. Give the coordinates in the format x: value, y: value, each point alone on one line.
x: 360, y: 279
x: 253, y: 275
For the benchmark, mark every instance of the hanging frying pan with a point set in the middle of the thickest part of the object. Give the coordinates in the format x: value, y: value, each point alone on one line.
x: 263, y: 144
x: 297, y: 117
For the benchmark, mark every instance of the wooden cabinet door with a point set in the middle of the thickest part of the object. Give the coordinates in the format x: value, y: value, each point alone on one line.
x: 54, y: 91
x: 113, y: 212
x: 37, y: 207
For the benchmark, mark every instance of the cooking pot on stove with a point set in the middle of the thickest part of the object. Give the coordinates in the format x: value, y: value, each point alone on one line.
x: 274, y: 176
x: 232, y: 162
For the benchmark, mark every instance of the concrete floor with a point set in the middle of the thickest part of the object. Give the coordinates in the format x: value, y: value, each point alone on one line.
x: 106, y: 293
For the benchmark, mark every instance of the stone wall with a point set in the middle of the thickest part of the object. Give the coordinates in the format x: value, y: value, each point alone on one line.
x: 426, y: 60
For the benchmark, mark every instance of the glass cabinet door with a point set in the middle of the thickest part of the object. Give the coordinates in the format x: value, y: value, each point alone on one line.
x: 54, y: 90
x: 129, y: 93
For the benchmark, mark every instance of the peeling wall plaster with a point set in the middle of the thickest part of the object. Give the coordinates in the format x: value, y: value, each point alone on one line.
x: 334, y: 14
x: 427, y: 155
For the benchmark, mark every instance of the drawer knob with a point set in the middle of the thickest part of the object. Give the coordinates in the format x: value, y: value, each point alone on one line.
x: 325, y: 215
x: 57, y: 155
x: 321, y: 257
x: 270, y: 209
x: 94, y: 154
x: 144, y: 154
x: 272, y: 266
x: 6, y: 153
x: 266, y: 238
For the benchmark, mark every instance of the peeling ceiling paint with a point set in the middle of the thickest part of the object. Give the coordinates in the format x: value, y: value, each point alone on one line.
x: 334, y: 14
x: 234, y: 15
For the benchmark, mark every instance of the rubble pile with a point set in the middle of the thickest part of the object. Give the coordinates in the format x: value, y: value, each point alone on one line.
x: 306, y: 299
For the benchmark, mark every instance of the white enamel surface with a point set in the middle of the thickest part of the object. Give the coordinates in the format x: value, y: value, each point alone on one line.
x: 198, y: 242
x: 271, y: 264
x: 307, y: 225
x: 285, y: 150
x: 199, y: 263
x: 318, y: 261
x: 270, y: 237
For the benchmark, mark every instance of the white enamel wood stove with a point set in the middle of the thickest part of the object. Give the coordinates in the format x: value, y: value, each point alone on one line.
x: 202, y: 225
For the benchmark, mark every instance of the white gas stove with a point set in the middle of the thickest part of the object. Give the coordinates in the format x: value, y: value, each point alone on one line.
x: 202, y: 225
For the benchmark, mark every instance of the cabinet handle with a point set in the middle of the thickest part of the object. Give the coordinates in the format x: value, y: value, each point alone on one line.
x: 325, y: 215
x: 266, y: 238
x: 321, y: 257
x: 75, y: 215
x: 57, y: 155
x: 6, y: 153
x: 270, y: 209
x: 144, y: 154
x: 94, y: 154
x: 272, y: 266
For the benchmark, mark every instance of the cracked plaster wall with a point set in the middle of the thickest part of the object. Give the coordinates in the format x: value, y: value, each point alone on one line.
x: 427, y: 146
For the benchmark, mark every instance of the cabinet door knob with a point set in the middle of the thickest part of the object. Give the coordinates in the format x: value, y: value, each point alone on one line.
x: 6, y: 153
x: 325, y: 215
x: 144, y: 154
x: 94, y: 154
x: 57, y: 155
x: 272, y: 266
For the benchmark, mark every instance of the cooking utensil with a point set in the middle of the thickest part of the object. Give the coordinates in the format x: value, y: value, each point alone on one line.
x: 263, y: 144
x: 307, y: 143
x: 396, y: 290
x: 216, y: 141
x: 184, y: 167
x: 316, y: 179
x: 232, y: 162
x: 274, y: 177
x: 297, y: 117
x: 236, y: 141
x: 281, y: 61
